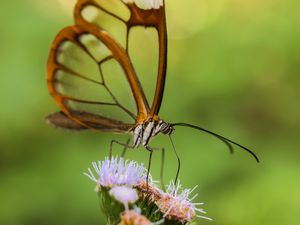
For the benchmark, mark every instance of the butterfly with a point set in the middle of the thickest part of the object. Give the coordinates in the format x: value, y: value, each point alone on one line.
x: 76, y: 68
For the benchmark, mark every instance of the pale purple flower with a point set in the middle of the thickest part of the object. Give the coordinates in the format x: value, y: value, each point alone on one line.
x: 117, y: 172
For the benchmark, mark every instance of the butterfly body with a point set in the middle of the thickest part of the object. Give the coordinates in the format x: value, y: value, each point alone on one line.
x: 143, y: 133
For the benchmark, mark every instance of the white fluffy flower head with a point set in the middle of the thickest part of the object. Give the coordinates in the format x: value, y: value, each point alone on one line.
x: 124, y: 194
x: 117, y: 172
x: 146, y: 4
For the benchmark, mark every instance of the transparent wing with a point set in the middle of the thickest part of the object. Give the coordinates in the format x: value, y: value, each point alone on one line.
x: 86, y: 68
x: 90, y: 72
x: 138, y: 31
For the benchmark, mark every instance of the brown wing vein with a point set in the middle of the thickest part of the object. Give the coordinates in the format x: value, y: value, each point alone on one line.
x: 87, y: 101
x: 73, y: 73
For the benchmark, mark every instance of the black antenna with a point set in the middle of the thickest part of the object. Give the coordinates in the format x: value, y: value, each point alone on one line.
x: 226, y: 141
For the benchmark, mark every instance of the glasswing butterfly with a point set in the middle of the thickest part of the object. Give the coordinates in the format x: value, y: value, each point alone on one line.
x: 76, y: 71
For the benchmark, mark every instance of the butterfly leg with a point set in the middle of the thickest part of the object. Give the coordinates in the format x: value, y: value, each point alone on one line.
x: 151, y: 149
x: 149, y: 165
x: 126, y: 146
x: 162, y: 165
x: 178, y: 159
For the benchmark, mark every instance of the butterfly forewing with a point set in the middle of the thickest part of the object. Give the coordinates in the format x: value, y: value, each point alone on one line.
x: 132, y: 16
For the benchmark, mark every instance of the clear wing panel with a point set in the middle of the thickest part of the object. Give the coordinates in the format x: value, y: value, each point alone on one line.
x: 115, y: 7
x: 143, y: 51
x: 110, y: 16
x: 117, y: 83
x: 95, y: 47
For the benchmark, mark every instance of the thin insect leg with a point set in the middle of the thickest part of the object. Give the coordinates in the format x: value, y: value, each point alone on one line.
x: 162, y: 169
x: 178, y: 159
x: 119, y: 143
x: 125, y: 148
x: 149, y: 166
x: 162, y: 164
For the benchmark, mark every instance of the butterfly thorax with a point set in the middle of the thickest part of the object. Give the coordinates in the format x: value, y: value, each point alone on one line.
x: 142, y: 133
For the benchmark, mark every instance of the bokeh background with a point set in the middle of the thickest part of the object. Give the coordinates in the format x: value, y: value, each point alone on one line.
x: 234, y: 68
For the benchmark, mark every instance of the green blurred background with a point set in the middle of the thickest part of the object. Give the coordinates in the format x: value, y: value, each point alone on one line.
x: 234, y: 68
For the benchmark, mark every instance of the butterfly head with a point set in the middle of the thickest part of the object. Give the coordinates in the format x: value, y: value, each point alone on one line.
x: 164, y: 127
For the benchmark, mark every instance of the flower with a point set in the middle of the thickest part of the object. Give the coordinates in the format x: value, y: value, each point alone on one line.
x: 133, y: 218
x: 149, y: 190
x: 124, y: 194
x: 146, y: 4
x: 122, y: 186
x: 177, y: 205
x: 117, y: 172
